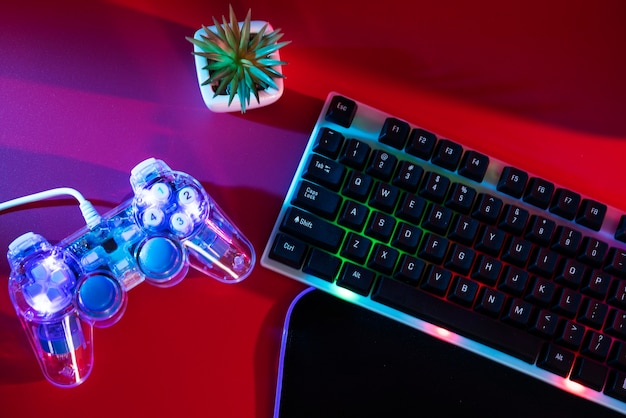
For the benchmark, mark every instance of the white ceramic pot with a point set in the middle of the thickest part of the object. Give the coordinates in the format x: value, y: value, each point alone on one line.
x: 220, y: 103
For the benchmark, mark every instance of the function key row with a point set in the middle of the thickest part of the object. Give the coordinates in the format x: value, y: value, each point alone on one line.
x: 473, y: 165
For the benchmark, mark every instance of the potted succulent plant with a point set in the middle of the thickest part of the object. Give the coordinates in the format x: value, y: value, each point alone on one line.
x: 237, y: 60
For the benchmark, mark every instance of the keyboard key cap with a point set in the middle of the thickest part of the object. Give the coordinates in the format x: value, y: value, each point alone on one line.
x: 329, y: 143
x: 557, y: 360
x: 421, y: 144
x: 322, y: 264
x: 288, y: 250
x: 312, y: 229
x: 591, y: 214
x: 394, y: 132
x: 447, y: 154
x: 341, y: 111
x: 512, y: 181
x: 356, y: 278
x: 565, y: 203
x: 317, y: 199
x: 474, y: 165
x: 539, y: 192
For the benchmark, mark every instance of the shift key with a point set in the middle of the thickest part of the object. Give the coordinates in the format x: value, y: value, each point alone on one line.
x: 312, y: 229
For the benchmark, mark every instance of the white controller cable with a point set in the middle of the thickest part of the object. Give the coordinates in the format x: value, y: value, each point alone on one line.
x: 89, y: 212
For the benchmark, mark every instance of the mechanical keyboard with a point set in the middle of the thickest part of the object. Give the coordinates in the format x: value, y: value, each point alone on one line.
x: 460, y: 245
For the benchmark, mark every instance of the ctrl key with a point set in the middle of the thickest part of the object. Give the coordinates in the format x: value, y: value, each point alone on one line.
x: 288, y: 250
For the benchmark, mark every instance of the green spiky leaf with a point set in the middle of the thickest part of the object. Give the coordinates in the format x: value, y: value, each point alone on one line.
x: 239, y: 61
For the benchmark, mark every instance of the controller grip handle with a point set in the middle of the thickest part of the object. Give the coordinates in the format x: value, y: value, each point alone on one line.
x: 64, y: 348
x: 220, y: 250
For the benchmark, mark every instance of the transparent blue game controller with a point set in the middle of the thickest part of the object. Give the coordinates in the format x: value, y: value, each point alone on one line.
x: 60, y: 292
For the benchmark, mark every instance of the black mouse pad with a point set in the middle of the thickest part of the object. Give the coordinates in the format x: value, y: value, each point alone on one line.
x: 340, y: 360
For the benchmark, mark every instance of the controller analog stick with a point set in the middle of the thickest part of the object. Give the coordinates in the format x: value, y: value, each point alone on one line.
x: 160, y: 258
x: 100, y: 296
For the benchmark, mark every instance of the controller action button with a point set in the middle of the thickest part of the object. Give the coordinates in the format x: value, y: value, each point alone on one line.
x: 159, y: 258
x: 152, y: 217
x: 181, y: 223
x: 187, y: 196
x: 99, y: 296
x: 160, y: 192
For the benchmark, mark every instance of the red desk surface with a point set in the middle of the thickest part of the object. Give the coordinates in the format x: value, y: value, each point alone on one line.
x: 90, y: 88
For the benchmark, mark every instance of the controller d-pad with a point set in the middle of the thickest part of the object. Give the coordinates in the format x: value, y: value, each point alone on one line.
x: 51, y: 287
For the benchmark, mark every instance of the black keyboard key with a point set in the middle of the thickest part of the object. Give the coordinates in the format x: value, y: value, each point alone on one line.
x: 433, y: 248
x: 593, y: 251
x: 411, y: 208
x: 589, y: 373
x: 394, y: 132
x: 380, y: 226
x: 437, y: 219
x: 463, y: 321
x: 556, y: 359
x: 358, y: 186
x: 382, y: 165
x: 567, y: 241
x: 539, y: 192
x: 437, y: 280
x: 474, y: 165
x: 464, y: 229
x: 565, y: 203
x: 616, y: 385
x: 512, y: 181
x: 353, y: 215
x: 616, y: 262
x: 407, y: 237
x: 591, y: 214
x: 356, y: 248
x: 540, y: 230
x: 513, y: 281
x: 408, y: 176
x: 460, y: 259
x: 410, y: 269
x: 514, y: 219
x: 383, y: 259
x: 288, y: 250
x: 341, y: 111
x: 447, y: 154
x: 421, y: 143
x: 384, y: 197
x: 329, y: 143
x: 490, y: 240
x: 326, y: 172
x: 355, y: 154
x: 312, y: 229
x: 322, y: 264
x: 463, y: 291
x: 356, y: 278
x: 461, y: 198
x: 516, y: 251
x: 487, y: 208
x: 434, y: 187
x: 317, y: 199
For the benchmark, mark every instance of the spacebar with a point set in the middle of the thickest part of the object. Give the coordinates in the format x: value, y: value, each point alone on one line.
x: 465, y: 322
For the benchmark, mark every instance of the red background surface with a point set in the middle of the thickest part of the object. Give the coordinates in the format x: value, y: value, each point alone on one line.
x: 90, y: 88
